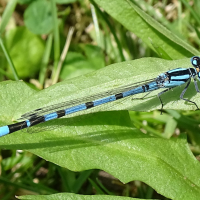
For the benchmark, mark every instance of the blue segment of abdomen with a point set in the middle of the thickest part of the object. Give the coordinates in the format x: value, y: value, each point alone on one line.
x: 151, y: 86
x: 75, y: 109
x: 104, y: 100
x: 4, y: 130
x: 50, y: 116
x: 133, y: 91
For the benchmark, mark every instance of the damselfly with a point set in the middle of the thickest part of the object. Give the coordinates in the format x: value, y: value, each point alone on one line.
x: 168, y: 80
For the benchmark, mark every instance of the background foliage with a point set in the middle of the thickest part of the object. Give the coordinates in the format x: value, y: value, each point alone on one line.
x: 115, y: 152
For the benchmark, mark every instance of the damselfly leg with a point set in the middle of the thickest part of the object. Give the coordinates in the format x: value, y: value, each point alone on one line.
x: 141, y: 98
x: 184, y: 91
x: 159, y: 94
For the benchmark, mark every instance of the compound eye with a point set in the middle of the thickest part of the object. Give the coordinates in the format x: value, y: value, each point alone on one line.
x: 195, y: 60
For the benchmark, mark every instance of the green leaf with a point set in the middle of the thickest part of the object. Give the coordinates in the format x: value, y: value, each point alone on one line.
x: 26, y: 50
x: 161, y: 52
x: 79, y: 63
x: 106, y: 140
x: 146, y: 28
x: 67, y: 196
x: 18, y: 91
x: 38, y: 17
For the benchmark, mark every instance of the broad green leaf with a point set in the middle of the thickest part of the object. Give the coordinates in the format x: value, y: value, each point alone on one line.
x: 26, y: 51
x: 38, y: 17
x: 94, y: 54
x: 79, y: 63
x: 146, y: 28
x: 106, y: 140
x: 68, y: 196
x: 75, y: 65
x: 18, y: 91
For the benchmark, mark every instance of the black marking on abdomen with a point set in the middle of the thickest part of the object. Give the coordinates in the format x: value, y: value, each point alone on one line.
x: 60, y: 113
x: 143, y: 88
x: 119, y: 96
x: 38, y: 120
x: 89, y: 104
x: 147, y: 87
x: 17, y: 126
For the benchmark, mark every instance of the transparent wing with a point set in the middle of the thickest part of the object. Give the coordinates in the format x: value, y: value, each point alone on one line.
x: 48, y: 109
x: 40, y: 128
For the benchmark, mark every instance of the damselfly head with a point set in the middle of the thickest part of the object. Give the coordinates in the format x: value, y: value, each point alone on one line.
x: 195, y: 60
